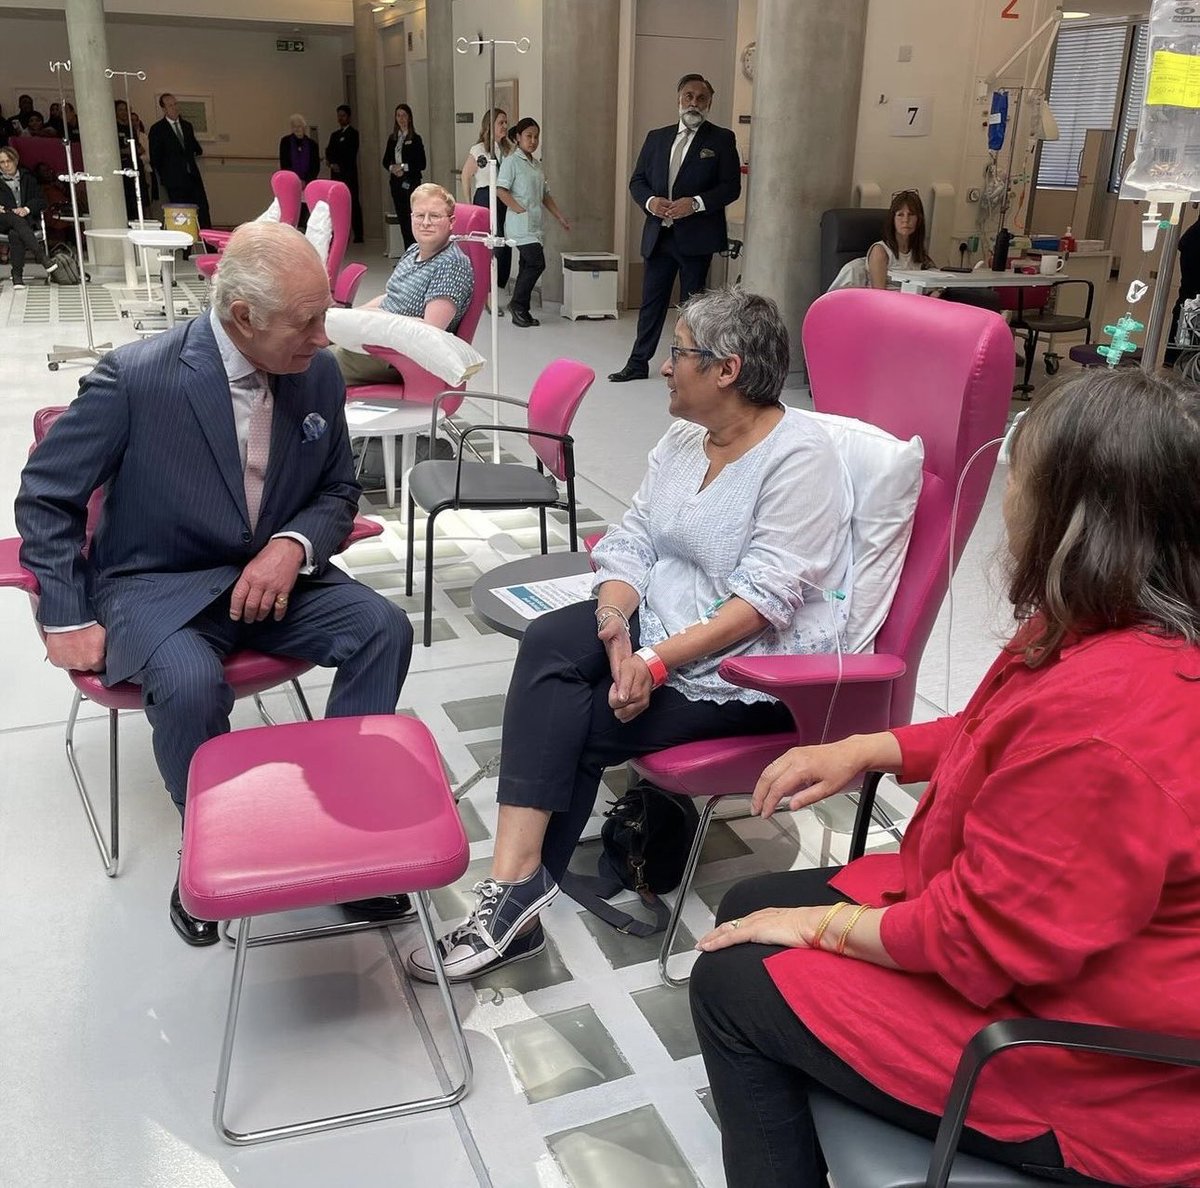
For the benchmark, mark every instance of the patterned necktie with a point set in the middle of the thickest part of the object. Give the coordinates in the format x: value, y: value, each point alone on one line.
x: 258, y: 441
x: 179, y: 131
x: 677, y: 154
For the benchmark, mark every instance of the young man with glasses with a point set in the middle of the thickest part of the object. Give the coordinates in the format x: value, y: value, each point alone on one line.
x: 432, y: 281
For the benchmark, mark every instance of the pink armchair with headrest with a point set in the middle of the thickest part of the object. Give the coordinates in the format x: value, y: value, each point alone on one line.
x: 249, y: 673
x: 343, y: 282
x: 285, y: 188
x: 912, y: 366
x: 417, y: 384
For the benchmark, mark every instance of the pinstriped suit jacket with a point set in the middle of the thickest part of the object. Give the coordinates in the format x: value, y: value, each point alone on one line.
x: 153, y: 424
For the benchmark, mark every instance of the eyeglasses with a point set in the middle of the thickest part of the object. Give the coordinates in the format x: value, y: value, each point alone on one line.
x: 676, y: 351
x: 905, y: 194
x: 428, y: 218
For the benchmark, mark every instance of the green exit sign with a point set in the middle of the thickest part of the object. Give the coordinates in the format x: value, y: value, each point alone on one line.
x: 288, y: 46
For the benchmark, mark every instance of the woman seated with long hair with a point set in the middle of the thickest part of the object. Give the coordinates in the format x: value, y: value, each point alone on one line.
x: 1052, y: 868
x: 739, y: 527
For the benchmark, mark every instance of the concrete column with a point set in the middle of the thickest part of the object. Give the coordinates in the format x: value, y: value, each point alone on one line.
x: 439, y: 143
x: 366, y: 119
x: 807, y: 79
x: 97, y: 121
x: 580, y: 55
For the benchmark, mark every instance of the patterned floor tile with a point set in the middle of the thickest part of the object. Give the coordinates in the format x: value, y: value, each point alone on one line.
x: 706, y: 1100
x: 523, y: 977
x: 476, y: 713
x: 473, y: 824
x: 561, y: 1052
x: 666, y: 1010
x: 623, y: 949
x: 634, y: 1148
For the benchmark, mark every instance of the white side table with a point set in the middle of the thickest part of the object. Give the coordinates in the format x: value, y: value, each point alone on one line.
x: 167, y: 244
x: 404, y: 419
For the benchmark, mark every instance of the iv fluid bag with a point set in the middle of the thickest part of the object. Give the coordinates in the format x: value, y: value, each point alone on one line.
x: 1166, y: 164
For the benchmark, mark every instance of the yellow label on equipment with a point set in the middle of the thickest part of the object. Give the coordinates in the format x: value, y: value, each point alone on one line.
x: 1174, y: 80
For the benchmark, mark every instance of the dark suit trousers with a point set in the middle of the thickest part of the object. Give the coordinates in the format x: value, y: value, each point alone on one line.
x: 402, y: 189
x: 356, y: 218
x: 560, y: 734
x: 192, y: 191
x: 662, y: 266
x: 347, y: 626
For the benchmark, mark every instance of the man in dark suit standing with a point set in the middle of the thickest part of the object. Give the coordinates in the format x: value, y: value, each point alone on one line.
x: 228, y: 484
x: 686, y: 175
x: 342, y: 154
x: 173, y: 152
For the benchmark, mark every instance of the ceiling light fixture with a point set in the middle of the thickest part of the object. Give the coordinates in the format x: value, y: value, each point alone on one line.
x: 1075, y: 16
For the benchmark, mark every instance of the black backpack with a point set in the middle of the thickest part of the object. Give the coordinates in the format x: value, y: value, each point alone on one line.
x: 647, y: 834
x: 67, y: 272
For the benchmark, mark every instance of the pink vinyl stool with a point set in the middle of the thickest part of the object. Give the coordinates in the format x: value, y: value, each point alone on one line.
x: 311, y: 814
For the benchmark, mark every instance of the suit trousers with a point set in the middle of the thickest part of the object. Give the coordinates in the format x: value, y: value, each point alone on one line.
x: 762, y: 1061
x: 662, y: 266
x: 346, y: 626
x: 560, y: 734
x: 21, y: 241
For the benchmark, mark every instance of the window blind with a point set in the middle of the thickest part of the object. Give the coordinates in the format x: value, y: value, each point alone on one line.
x: 1131, y: 108
x: 1085, y: 86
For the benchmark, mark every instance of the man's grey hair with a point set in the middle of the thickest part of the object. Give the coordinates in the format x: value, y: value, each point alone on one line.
x: 255, y: 260
x: 730, y: 322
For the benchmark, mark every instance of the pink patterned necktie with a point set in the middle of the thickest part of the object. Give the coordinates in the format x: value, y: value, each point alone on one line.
x: 258, y: 443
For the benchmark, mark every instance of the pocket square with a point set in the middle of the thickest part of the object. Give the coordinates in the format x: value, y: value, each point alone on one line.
x: 706, y: 153
x: 314, y: 426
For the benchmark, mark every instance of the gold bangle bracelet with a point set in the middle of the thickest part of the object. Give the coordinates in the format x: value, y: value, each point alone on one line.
x: 840, y: 948
x: 826, y: 920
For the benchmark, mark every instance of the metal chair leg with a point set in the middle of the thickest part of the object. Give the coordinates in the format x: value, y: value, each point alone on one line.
x: 262, y: 710
x: 302, y: 700
x: 408, y: 556
x: 110, y: 849
x: 685, y: 886
x: 542, y: 526
x: 336, y: 1121
x: 428, y: 637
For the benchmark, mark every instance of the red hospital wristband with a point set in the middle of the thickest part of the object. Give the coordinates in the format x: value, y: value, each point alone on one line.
x: 654, y: 662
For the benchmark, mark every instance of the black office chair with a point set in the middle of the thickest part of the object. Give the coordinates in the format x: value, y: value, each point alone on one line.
x: 1044, y: 320
x: 847, y: 234
x: 863, y: 1151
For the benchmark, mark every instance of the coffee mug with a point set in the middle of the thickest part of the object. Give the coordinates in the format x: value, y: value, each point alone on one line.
x: 1050, y: 265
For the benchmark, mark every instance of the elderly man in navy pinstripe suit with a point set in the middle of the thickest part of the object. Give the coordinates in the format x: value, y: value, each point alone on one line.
x: 229, y: 484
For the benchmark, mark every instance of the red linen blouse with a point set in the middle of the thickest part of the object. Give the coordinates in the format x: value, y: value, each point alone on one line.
x: 1052, y: 869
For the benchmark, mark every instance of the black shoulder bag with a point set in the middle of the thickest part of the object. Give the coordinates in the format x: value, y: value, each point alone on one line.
x: 646, y: 835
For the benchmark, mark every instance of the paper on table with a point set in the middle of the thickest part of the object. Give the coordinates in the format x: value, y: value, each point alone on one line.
x: 532, y: 599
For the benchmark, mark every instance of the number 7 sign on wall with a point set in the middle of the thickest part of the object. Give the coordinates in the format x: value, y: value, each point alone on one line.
x: 912, y: 117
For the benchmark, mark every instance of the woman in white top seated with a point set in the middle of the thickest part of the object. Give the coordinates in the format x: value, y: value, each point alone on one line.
x: 733, y: 545
x: 902, y: 246
x: 903, y: 242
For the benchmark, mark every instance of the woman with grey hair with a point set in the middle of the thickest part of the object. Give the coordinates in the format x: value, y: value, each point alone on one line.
x: 300, y: 154
x: 739, y: 529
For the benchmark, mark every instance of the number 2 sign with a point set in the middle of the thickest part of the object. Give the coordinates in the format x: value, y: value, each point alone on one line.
x: 912, y: 117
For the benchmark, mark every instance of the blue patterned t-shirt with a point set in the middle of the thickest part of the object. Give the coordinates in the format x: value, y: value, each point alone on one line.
x: 414, y: 283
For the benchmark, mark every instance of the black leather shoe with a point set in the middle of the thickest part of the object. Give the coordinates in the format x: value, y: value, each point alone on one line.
x: 631, y: 371
x: 194, y: 932
x: 382, y: 907
x: 521, y: 318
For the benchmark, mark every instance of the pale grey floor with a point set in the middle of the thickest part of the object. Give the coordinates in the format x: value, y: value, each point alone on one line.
x: 109, y: 1026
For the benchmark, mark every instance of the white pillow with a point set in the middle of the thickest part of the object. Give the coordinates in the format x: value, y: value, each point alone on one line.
x: 885, y: 473
x: 438, y: 351
x: 272, y: 214
x: 320, y: 229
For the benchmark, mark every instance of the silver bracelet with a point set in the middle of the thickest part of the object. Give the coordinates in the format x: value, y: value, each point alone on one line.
x: 606, y: 612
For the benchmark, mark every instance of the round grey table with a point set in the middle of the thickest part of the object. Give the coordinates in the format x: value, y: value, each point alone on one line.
x: 538, y: 568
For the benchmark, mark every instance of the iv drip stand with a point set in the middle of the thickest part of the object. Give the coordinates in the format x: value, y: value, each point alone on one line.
x: 135, y: 172
x: 493, y: 241
x: 66, y: 354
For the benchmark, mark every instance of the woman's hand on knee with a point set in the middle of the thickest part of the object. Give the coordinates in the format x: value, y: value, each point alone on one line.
x: 805, y: 775
x: 793, y: 928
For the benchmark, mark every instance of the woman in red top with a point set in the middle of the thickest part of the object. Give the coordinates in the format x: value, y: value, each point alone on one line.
x: 1052, y: 867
